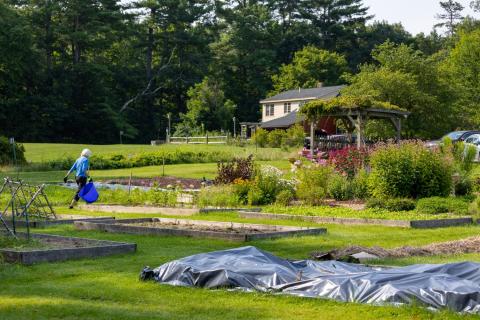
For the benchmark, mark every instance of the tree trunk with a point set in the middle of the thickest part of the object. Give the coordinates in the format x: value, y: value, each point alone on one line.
x: 150, y: 44
x: 75, y: 44
x: 48, y: 41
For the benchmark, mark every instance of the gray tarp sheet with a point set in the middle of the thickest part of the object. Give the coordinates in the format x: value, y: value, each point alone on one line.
x: 454, y: 286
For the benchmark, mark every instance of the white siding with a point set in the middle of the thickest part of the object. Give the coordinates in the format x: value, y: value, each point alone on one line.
x: 279, y: 110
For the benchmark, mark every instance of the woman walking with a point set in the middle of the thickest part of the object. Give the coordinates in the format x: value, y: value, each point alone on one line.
x: 81, y: 168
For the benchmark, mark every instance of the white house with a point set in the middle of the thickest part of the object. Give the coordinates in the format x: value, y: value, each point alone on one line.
x: 280, y: 111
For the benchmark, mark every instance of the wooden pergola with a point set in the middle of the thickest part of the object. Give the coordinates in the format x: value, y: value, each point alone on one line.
x: 354, y: 112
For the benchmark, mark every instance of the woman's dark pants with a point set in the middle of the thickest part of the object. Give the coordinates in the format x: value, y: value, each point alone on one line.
x: 81, y: 182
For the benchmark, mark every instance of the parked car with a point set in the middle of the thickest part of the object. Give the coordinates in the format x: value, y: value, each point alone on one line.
x: 455, y: 136
x: 474, y: 141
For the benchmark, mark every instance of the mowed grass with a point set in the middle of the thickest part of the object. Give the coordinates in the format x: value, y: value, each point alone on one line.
x: 194, y: 171
x: 476, y: 170
x: 108, y: 288
x: 41, y: 152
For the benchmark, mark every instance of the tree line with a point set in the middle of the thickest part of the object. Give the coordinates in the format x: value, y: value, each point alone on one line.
x: 86, y: 70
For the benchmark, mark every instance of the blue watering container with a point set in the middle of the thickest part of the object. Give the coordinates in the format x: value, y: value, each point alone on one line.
x: 89, y: 193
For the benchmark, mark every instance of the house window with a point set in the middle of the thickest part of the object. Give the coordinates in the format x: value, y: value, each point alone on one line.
x: 269, y: 110
x: 287, y: 107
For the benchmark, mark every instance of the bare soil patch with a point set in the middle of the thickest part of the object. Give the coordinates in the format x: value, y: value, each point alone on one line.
x: 196, y: 227
x: 49, y: 243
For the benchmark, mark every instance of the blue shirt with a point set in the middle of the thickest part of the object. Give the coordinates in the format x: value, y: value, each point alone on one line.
x: 80, y: 166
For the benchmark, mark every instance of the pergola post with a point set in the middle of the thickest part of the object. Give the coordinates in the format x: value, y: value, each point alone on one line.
x: 312, y: 135
x: 397, y: 123
x: 360, y: 133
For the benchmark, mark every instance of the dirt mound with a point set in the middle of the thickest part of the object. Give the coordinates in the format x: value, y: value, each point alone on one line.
x: 469, y: 245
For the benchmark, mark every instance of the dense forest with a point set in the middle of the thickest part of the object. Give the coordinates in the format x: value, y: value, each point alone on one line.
x: 86, y: 70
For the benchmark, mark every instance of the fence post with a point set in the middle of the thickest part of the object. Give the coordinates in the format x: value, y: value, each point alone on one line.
x: 187, y: 139
x: 206, y: 137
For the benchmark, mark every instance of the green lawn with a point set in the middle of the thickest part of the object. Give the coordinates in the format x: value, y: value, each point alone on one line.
x: 40, y: 152
x: 108, y: 288
x: 476, y: 170
x: 196, y: 171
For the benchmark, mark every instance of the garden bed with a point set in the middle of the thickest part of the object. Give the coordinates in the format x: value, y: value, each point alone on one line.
x: 46, y: 223
x: 421, y: 224
x: 201, y: 229
x: 50, y: 248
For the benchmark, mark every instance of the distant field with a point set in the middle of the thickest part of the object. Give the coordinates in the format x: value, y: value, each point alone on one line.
x: 195, y: 171
x: 40, y: 152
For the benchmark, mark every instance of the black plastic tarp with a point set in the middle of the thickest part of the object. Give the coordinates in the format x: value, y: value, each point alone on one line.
x: 454, y: 286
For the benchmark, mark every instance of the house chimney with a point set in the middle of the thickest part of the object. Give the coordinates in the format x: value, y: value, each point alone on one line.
x: 319, y: 84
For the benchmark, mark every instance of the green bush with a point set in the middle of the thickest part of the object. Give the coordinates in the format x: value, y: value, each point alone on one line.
x: 463, y: 186
x: 266, y: 187
x: 241, y: 189
x: 275, y: 138
x: 474, y: 208
x: 360, y: 185
x: 285, y: 198
x: 395, y: 205
x: 260, y: 137
x: 437, y: 205
x: 340, y: 188
x: 256, y: 197
x: 294, y: 137
x: 118, y: 161
x: 235, y: 169
x: 313, y: 184
x: 218, y: 196
x: 6, y: 152
x: 409, y: 170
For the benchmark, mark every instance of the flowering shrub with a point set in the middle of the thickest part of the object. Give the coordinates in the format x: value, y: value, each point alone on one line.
x: 409, y: 170
x: 237, y: 168
x: 313, y: 184
x: 348, y: 161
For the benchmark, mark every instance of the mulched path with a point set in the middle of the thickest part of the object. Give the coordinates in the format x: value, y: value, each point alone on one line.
x: 464, y: 246
x: 161, y: 182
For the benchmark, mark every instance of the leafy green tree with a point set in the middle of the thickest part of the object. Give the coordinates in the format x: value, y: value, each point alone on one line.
x: 475, y: 5
x: 245, y: 55
x: 429, y: 44
x: 207, y: 106
x: 409, y: 79
x: 451, y: 15
x: 462, y: 68
x: 310, y: 67
x: 372, y: 35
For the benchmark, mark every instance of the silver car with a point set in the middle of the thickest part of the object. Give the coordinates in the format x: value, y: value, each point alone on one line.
x: 474, y: 141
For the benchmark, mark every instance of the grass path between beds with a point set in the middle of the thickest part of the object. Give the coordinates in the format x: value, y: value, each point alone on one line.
x: 108, y: 288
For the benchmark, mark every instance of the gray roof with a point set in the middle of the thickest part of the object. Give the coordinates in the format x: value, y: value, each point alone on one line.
x: 300, y: 94
x: 284, y: 122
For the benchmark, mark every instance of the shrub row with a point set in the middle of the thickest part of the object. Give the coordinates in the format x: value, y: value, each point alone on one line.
x: 409, y: 171
x: 119, y: 161
x: 292, y: 137
x: 62, y: 196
